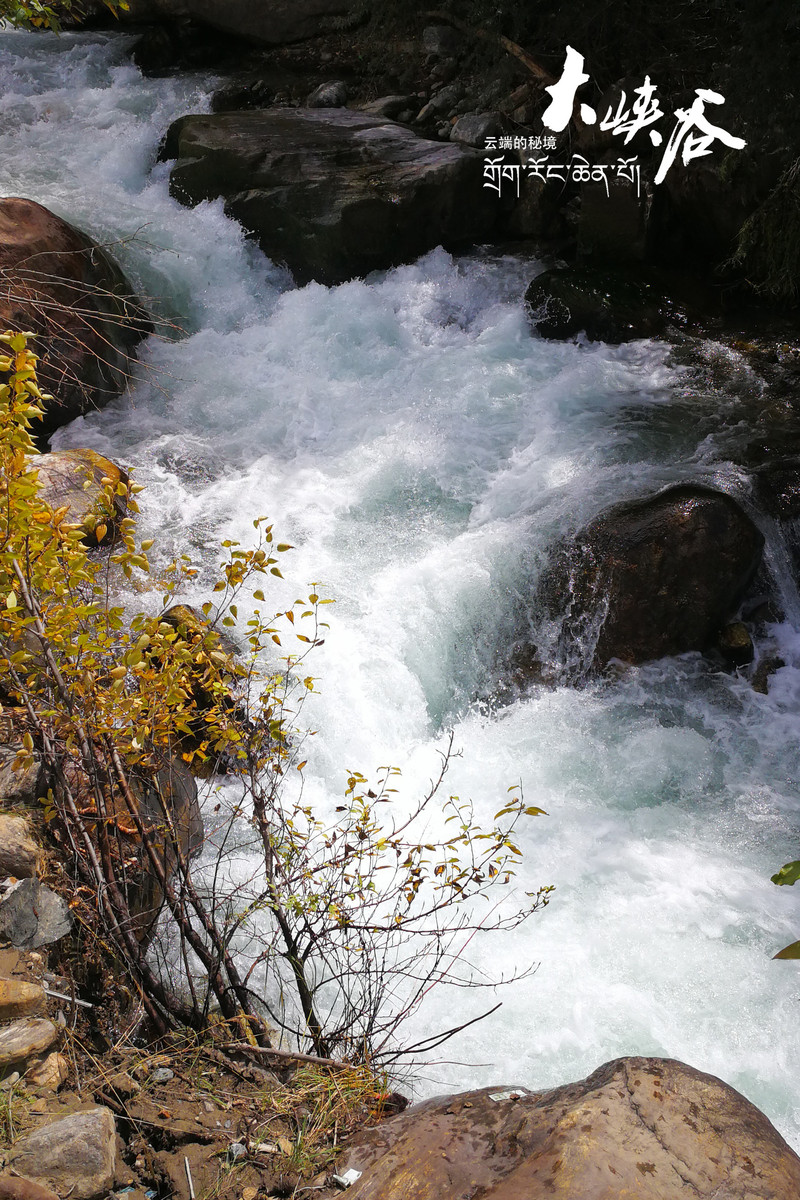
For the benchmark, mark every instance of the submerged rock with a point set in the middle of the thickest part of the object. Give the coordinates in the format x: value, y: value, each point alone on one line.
x: 332, y: 193
x: 656, y: 577
x: 59, y: 283
x: 645, y: 1128
x: 607, y: 306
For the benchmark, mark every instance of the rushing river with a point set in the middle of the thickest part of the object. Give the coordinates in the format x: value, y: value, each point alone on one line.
x: 423, y: 451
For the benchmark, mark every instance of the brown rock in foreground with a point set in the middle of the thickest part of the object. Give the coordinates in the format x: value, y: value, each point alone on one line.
x: 16, y: 1187
x: 57, y: 282
x: 76, y: 1156
x: 637, y: 1128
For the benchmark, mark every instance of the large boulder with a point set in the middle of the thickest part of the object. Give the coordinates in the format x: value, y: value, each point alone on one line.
x: 56, y: 281
x: 644, y: 1128
x: 331, y: 193
x: 656, y: 577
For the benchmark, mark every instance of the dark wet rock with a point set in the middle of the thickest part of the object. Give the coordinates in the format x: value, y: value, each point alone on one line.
x: 76, y: 1156
x: 648, y: 1128
x: 331, y: 193
x: 33, y: 915
x: 735, y: 644
x: 155, y: 52
x: 75, y: 478
x: 613, y: 225
x: 656, y: 577
x: 59, y: 283
x: 441, y: 41
x: 703, y: 204
x: 765, y: 669
x: 241, y: 94
x: 777, y: 489
x: 474, y: 128
x: 270, y: 22
x: 607, y: 306
x: 329, y: 95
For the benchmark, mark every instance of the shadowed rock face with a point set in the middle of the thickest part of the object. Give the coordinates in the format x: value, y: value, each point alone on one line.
x: 639, y: 1128
x: 608, y: 306
x: 56, y: 281
x: 669, y: 571
x: 268, y: 22
x: 333, y: 194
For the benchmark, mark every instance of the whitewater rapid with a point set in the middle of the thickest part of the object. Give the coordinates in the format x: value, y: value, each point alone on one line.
x: 423, y: 451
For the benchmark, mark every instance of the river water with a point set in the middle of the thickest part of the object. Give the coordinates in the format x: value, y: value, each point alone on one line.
x: 423, y: 451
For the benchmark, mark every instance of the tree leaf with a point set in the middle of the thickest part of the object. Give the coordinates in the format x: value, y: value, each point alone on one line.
x: 792, y: 951
x: 788, y: 874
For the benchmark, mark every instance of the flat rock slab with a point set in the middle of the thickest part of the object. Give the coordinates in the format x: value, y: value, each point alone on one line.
x: 19, y: 999
x: 333, y: 194
x: 33, y: 915
x: 25, y: 1038
x: 75, y: 1156
x: 639, y: 1128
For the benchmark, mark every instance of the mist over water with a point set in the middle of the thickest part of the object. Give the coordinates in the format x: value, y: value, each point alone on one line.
x: 423, y: 452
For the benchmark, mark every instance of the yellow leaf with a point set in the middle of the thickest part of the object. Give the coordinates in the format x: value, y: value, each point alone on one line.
x: 11, y: 600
